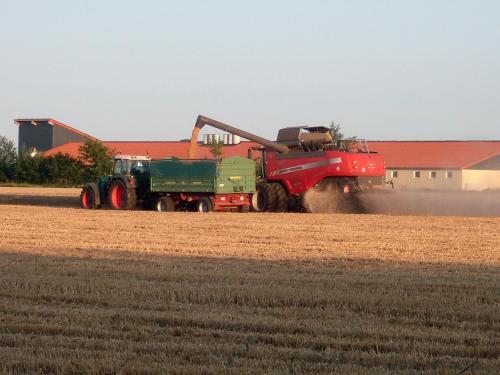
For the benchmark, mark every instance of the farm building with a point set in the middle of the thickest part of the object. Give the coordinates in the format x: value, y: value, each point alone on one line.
x: 42, y: 134
x: 441, y: 165
x: 438, y: 165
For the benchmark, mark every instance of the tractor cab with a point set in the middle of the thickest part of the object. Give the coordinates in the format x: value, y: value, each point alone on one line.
x: 131, y: 165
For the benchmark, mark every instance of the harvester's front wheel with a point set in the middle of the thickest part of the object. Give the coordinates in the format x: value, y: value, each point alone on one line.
x: 121, y: 198
x: 89, y: 197
x: 265, y: 198
x: 204, y: 205
x: 281, y: 197
x: 165, y: 204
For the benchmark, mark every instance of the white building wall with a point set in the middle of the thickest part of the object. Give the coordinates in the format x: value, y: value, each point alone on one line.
x: 480, y: 180
x: 450, y: 179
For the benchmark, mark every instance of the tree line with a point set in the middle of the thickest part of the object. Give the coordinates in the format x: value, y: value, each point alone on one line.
x: 26, y: 166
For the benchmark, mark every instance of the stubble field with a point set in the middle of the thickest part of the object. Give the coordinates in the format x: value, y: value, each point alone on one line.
x: 144, y: 292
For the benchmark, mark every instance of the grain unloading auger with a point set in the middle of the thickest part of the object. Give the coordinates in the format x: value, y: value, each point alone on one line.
x: 303, y: 158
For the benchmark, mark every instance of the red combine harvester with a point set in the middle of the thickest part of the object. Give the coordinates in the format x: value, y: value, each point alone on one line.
x: 304, y: 158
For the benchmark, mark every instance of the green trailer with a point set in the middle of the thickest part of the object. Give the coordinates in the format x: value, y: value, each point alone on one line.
x: 175, y: 184
x: 225, y: 176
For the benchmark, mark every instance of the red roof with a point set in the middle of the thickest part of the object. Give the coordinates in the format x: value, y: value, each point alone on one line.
x: 35, y: 121
x: 435, y: 154
x: 156, y: 149
x: 397, y: 154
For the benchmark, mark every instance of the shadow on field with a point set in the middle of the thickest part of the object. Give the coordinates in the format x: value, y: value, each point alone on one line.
x: 157, y: 314
x: 40, y: 200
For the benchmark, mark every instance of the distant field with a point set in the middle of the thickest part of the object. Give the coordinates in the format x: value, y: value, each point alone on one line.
x: 109, y: 292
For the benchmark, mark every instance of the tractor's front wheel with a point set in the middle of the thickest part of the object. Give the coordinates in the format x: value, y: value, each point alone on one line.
x: 89, y: 197
x: 121, y: 198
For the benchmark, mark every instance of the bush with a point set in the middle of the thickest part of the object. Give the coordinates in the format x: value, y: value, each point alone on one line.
x: 7, y: 159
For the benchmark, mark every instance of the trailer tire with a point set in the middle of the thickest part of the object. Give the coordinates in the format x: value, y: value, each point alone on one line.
x: 121, y: 198
x: 165, y: 204
x: 244, y: 209
x: 89, y: 197
x: 281, y: 197
x: 204, y: 205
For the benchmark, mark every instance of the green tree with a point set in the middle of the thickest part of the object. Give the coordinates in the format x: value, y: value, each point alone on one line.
x: 7, y: 159
x: 216, y: 148
x: 97, y: 157
x: 338, y: 136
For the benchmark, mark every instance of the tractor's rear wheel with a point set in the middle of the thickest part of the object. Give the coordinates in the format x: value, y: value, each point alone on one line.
x: 165, y: 204
x: 204, y: 205
x: 279, y: 191
x: 89, y: 197
x: 121, y: 198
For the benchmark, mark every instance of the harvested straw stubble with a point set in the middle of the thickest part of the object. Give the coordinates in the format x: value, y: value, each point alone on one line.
x: 106, y: 291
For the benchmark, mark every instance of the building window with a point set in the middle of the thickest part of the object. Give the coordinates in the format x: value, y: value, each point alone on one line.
x: 416, y: 174
x: 449, y: 174
x: 394, y: 174
x: 432, y: 174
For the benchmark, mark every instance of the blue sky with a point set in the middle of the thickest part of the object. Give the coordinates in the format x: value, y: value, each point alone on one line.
x: 143, y: 70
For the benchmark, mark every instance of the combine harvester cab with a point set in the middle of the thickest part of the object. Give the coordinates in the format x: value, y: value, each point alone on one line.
x: 173, y: 184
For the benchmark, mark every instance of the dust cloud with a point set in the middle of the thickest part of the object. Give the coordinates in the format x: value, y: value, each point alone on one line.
x: 439, y: 203
x: 397, y: 202
x: 329, y: 200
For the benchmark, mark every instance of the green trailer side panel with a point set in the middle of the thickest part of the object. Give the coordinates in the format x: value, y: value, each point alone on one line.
x: 177, y: 176
x: 236, y: 175
x: 230, y: 175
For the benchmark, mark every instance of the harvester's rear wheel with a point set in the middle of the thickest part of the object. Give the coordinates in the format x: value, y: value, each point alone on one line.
x: 89, y: 197
x: 281, y: 197
x: 121, y: 198
x: 165, y: 204
x: 204, y: 205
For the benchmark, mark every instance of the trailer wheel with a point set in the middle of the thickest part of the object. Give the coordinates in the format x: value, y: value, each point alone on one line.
x: 165, y: 204
x: 244, y: 209
x: 89, y: 197
x: 121, y: 198
x: 204, y: 205
x: 281, y: 197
